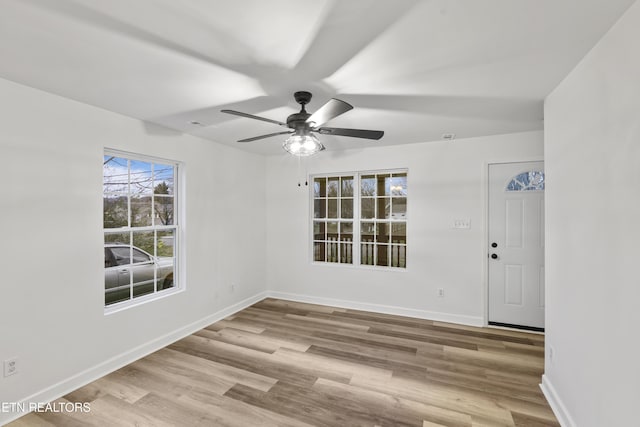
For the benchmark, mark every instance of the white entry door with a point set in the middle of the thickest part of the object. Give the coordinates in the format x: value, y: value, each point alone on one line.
x: 516, y: 245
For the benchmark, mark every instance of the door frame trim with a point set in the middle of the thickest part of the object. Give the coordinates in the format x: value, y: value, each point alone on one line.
x: 485, y: 222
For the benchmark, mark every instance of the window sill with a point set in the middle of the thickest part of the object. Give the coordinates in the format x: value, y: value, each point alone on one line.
x: 360, y: 267
x: 125, y: 305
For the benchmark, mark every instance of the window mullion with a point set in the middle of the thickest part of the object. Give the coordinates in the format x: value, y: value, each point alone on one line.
x: 153, y: 195
x: 356, y: 250
x: 129, y: 193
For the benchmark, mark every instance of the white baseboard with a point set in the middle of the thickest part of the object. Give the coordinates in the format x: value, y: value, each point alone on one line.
x: 379, y: 308
x: 81, y: 379
x: 558, y: 408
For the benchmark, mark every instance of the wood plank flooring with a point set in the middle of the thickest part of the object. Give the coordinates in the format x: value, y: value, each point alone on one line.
x: 281, y: 363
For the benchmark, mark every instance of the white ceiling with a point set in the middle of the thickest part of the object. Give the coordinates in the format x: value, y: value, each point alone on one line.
x: 414, y: 68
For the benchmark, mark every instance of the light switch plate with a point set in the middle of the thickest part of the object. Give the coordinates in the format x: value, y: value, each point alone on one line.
x: 462, y: 223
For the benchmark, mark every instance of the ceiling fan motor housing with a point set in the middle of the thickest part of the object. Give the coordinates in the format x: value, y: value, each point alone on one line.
x: 298, y: 121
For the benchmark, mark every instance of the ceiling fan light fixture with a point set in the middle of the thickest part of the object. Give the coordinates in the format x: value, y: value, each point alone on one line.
x: 302, y: 145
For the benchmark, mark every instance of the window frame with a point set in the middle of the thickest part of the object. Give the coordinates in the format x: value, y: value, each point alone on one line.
x: 356, y: 220
x: 175, y: 229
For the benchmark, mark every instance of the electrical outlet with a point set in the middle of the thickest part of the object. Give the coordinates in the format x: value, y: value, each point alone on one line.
x: 440, y: 292
x: 10, y: 366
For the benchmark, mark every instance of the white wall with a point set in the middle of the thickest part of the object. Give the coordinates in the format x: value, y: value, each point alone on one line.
x: 446, y: 181
x: 51, y: 243
x: 592, y: 150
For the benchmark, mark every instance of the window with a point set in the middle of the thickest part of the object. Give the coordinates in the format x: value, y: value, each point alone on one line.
x: 140, y: 226
x: 383, y: 219
x: 361, y: 218
x: 527, y: 181
x: 333, y: 219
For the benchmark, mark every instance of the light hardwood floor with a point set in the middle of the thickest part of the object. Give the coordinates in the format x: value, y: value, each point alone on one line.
x: 281, y: 363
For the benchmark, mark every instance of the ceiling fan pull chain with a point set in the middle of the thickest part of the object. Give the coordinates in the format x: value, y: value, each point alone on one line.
x: 306, y: 172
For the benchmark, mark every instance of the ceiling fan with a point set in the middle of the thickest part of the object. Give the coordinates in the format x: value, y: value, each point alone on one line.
x: 303, y: 125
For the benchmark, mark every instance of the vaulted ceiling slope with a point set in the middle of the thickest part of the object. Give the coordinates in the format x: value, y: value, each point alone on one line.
x: 413, y: 68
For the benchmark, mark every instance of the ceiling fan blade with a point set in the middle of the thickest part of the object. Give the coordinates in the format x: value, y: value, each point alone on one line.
x: 331, y: 109
x: 255, y: 138
x: 251, y: 116
x: 355, y: 133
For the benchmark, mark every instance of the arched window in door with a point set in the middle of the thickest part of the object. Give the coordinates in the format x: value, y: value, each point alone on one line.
x: 527, y: 181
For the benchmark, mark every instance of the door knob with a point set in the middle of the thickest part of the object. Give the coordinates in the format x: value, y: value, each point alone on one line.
x: 494, y: 245
x: 494, y: 256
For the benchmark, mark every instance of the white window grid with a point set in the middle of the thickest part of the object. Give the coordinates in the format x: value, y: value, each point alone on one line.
x: 333, y: 227
x: 360, y: 250
x: 159, y: 231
